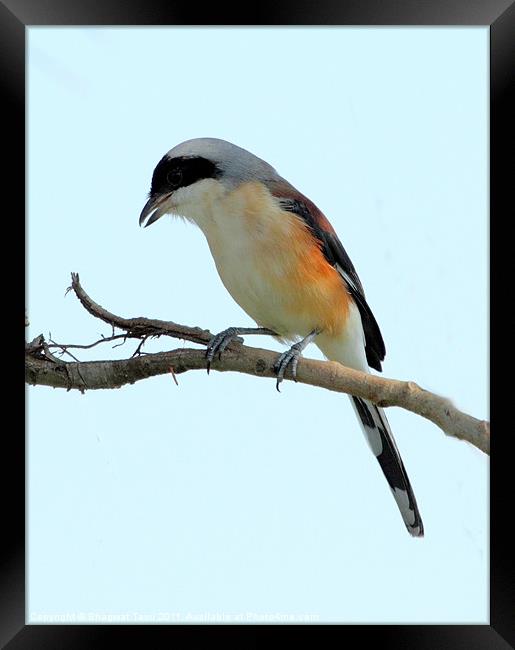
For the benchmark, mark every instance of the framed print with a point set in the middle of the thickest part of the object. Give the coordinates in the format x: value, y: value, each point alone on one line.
x: 182, y: 500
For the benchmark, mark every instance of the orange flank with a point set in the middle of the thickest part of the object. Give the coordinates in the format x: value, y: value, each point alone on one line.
x: 307, y: 289
x: 316, y: 287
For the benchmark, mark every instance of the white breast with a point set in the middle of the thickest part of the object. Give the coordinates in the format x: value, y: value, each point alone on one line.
x: 250, y: 265
x: 246, y: 232
x: 269, y: 263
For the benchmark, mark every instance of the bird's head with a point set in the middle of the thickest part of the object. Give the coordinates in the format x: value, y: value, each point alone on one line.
x: 197, y: 172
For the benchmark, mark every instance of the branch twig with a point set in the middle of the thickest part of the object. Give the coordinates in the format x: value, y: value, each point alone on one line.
x: 139, y: 326
x: 42, y: 370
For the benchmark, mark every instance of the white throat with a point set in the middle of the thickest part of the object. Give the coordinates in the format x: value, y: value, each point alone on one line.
x: 198, y: 202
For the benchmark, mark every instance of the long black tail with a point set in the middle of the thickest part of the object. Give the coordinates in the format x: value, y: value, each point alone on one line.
x: 380, y: 438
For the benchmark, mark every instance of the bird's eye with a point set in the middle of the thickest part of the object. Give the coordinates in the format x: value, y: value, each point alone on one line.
x: 174, y: 177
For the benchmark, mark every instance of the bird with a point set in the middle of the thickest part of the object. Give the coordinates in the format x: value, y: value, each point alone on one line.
x: 281, y: 260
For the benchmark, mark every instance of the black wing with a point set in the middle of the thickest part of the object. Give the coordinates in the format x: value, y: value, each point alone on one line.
x: 336, y: 255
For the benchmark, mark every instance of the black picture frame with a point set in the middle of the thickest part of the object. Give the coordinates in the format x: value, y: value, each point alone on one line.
x: 15, y: 17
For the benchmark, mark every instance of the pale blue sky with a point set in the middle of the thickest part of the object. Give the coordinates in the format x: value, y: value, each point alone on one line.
x: 222, y: 497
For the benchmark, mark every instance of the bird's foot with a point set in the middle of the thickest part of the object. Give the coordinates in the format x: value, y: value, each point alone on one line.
x: 220, y: 341
x: 292, y: 357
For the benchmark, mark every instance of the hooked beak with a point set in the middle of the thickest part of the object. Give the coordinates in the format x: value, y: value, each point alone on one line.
x: 153, y: 205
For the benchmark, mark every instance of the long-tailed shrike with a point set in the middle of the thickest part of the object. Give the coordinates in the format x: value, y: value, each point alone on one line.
x: 281, y: 260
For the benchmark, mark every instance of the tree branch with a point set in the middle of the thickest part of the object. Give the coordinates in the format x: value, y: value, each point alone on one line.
x: 43, y: 368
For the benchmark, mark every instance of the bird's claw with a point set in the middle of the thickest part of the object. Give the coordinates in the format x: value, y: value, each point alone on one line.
x: 218, y: 344
x: 290, y: 356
